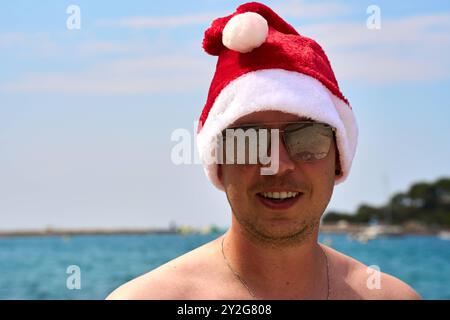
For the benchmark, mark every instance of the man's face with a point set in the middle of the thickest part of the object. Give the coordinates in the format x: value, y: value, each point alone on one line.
x: 244, y: 186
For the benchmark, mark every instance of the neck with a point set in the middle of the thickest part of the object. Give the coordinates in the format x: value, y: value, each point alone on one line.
x: 298, y: 270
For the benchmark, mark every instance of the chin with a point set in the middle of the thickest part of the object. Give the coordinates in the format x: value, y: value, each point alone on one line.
x: 282, y: 230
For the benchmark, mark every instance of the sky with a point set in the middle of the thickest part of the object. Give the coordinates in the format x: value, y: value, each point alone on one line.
x: 87, y: 114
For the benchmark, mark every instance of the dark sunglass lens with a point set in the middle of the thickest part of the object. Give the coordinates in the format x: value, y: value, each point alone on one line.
x: 241, y: 144
x: 308, y: 142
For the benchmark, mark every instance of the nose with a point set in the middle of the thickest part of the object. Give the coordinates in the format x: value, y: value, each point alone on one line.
x: 280, y: 161
x: 284, y: 159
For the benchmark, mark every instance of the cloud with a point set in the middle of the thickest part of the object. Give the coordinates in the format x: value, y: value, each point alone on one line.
x: 403, y: 50
x: 409, y: 49
x: 11, y: 39
x: 158, y: 22
x: 293, y: 8
x: 106, y: 47
x: 154, y: 74
x: 311, y: 10
x: 416, y: 30
x: 44, y: 44
x: 34, y: 44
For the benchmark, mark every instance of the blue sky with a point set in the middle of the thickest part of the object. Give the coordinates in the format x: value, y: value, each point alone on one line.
x: 86, y: 115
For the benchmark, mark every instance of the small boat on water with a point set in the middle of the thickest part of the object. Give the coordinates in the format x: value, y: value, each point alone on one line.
x: 444, y: 235
x: 375, y: 231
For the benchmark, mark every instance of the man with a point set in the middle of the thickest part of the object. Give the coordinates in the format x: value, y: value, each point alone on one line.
x: 271, y: 79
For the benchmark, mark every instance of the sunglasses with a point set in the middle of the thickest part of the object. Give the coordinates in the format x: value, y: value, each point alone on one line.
x: 305, y: 141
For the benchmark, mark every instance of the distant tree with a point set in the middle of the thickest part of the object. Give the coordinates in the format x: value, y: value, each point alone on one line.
x: 428, y: 203
x: 333, y: 217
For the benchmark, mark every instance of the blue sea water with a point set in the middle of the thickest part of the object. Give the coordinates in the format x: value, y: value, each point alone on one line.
x: 35, y: 267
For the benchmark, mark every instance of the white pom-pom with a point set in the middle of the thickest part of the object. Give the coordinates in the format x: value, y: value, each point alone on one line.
x: 245, y: 32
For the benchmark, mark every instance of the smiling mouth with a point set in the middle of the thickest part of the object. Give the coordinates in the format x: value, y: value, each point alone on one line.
x: 279, y: 200
x: 279, y: 195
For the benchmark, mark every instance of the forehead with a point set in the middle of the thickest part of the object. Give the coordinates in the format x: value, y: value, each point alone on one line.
x: 269, y: 116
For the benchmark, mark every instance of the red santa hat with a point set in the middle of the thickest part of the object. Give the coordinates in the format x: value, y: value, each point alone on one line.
x: 265, y: 64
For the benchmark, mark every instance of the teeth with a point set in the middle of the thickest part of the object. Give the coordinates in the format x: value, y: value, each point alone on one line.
x: 279, y: 195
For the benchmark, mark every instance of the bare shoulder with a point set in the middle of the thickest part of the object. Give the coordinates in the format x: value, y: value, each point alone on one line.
x: 355, y: 280
x: 179, y: 278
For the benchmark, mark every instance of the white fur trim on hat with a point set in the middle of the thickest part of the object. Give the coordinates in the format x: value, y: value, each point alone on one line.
x: 281, y: 90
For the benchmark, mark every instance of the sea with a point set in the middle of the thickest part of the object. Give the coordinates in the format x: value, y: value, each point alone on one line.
x: 92, y: 266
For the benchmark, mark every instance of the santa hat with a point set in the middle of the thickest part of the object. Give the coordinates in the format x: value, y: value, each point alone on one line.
x: 265, y: 64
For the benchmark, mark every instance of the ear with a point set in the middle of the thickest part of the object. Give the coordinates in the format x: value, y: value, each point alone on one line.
x: 338, y: 168
x: 219, y: 172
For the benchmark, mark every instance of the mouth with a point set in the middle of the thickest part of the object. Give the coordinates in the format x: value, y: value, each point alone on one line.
x: 279, y: 200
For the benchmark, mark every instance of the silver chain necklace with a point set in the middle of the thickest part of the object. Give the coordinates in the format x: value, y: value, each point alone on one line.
x: 251, y: 292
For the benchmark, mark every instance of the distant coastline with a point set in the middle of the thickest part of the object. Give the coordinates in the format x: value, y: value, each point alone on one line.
x: 75, y: 232
x: 339, y: 228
